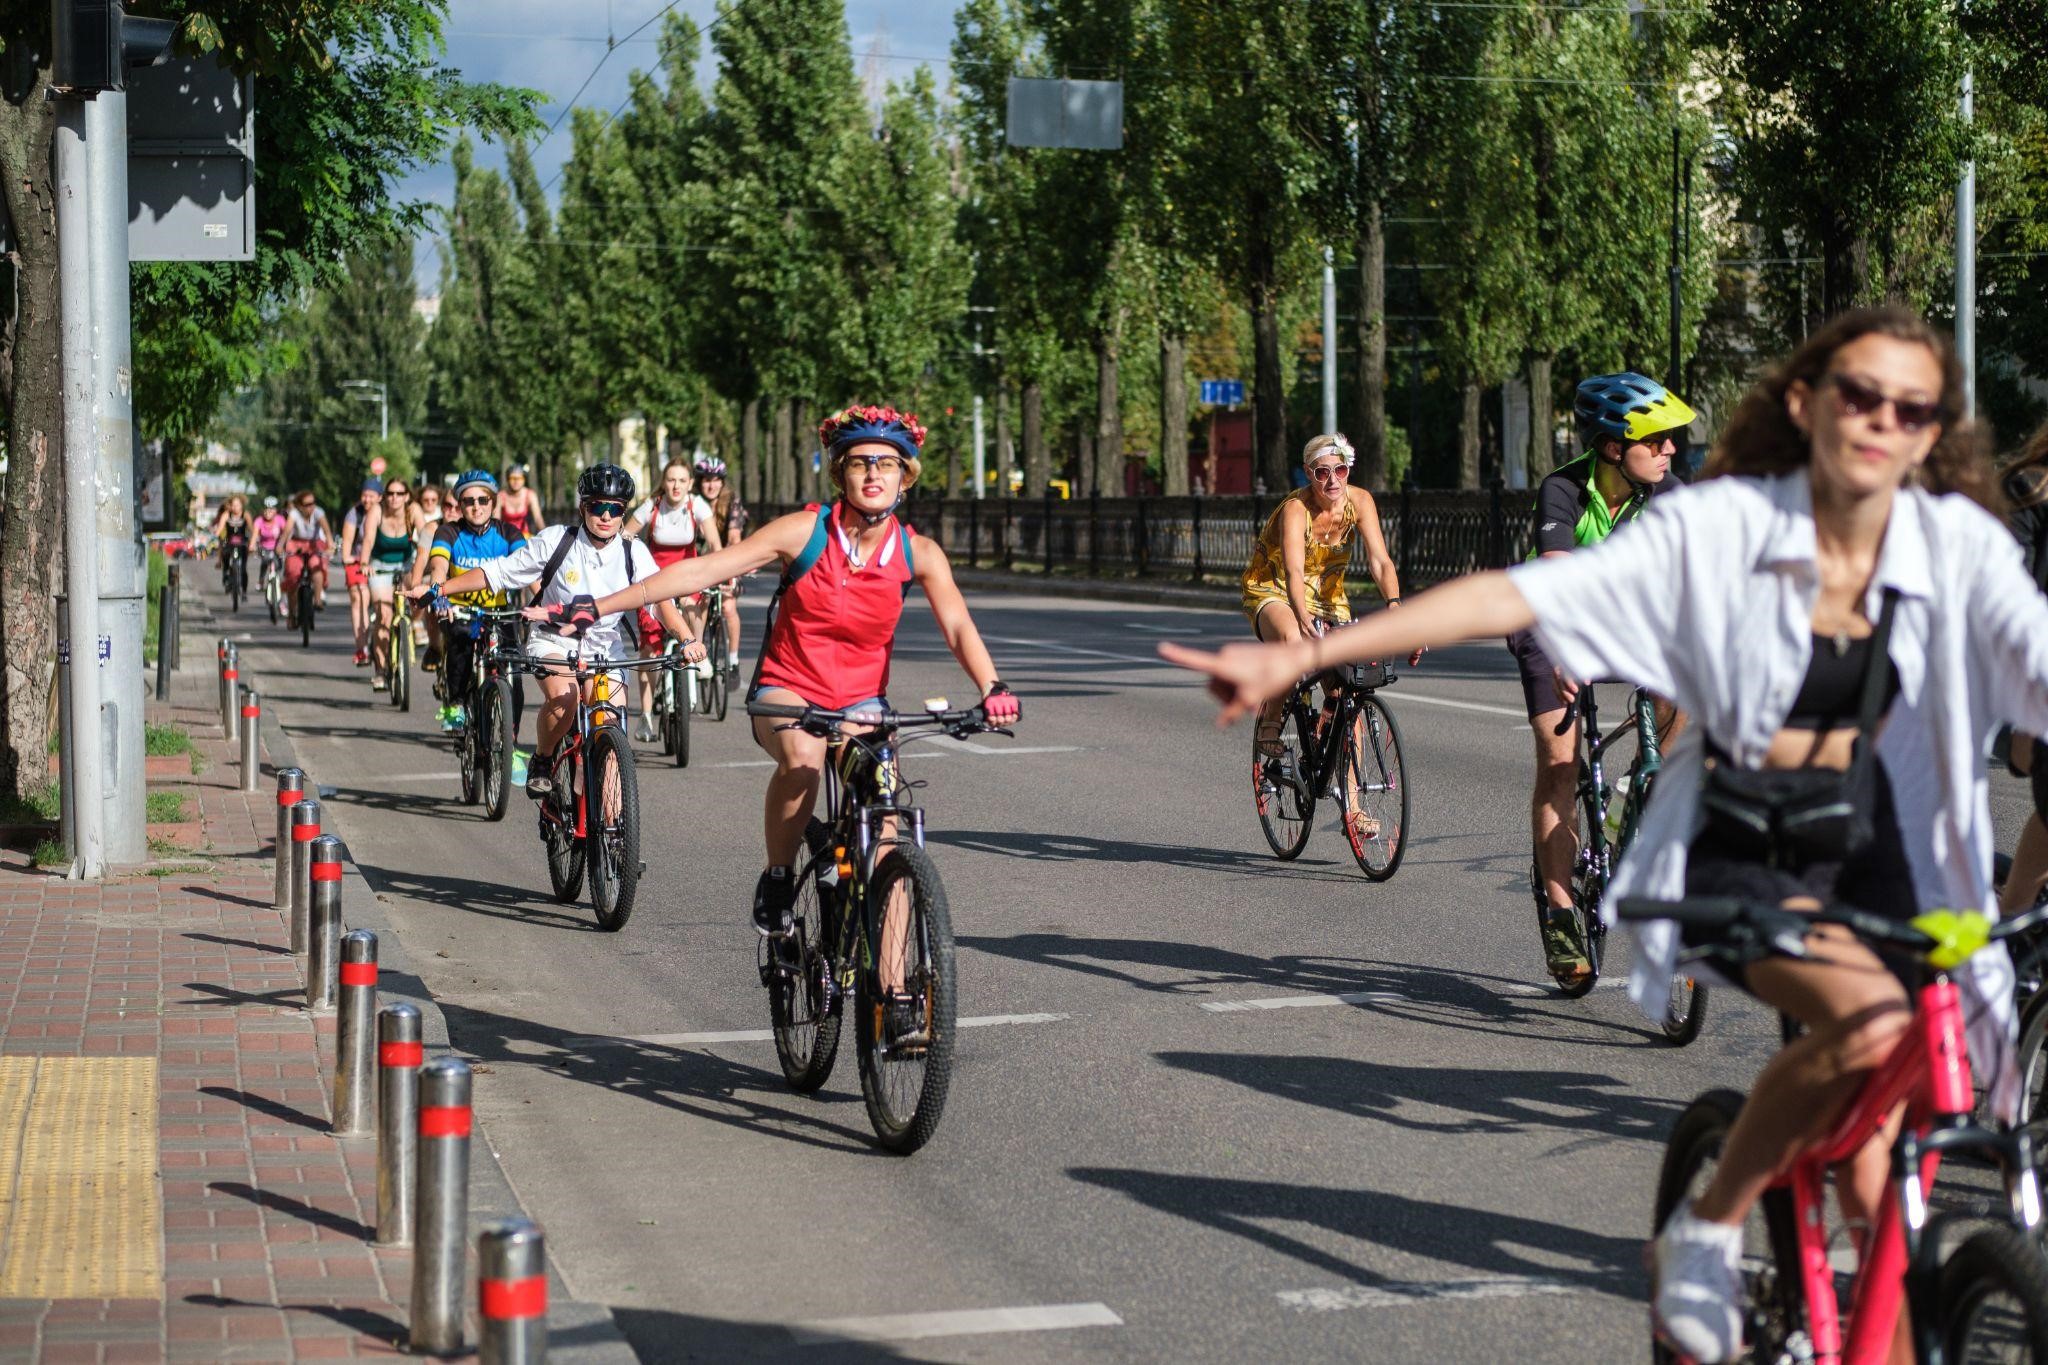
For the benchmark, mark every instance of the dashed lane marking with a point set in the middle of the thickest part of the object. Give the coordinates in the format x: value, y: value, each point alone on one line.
x: 957, y: 1323
x: 1288, y: 1002
x: 1453, y: 702
x: 761, y: 1035
x: 1398, y: 1295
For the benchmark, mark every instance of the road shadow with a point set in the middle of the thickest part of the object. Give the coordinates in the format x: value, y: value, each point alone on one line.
x: 489, y: 899
x: 249, y: 943
x: 662, y: 1337
x: 1085, y: 848
x: 297, y: 1208
x: 283, y: 1113
x: 224, y: 995
x: 416, y: 803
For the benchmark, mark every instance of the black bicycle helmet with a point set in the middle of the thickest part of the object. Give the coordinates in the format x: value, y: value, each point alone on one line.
x: 605, y: 481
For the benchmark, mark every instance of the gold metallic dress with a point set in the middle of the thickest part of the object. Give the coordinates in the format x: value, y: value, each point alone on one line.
x: 1323, y: 564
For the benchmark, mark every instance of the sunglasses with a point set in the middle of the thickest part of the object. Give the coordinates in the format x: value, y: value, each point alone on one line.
x: 1327, y: 472
x: 396, y: 492
x: 485, y: 501
x: 1862, y: 400
x: 605, y: 509
x: 876, y: 464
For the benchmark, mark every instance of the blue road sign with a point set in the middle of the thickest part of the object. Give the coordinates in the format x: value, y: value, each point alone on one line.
x: 1223, y: 392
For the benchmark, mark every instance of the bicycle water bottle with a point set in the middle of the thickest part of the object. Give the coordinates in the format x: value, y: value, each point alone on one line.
x: 1616, y: 804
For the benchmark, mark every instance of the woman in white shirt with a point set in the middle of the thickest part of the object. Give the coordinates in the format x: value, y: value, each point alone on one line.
x: 1852, y: 483
x: 675, y: 524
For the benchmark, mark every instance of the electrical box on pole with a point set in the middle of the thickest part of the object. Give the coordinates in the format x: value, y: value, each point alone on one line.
x: 94, y: 44
x: 191, y: 163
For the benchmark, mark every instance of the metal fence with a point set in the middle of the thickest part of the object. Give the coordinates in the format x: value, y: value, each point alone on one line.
x: 1432, y: 536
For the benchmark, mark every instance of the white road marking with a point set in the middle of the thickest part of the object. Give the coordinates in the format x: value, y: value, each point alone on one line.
x: 1396, y: 1295
x: 1288, y: 1002
x: 957, y: 1323
x: 443, y: 776
x: 761, y: 1035
x: 925, y: 751
x: 1154, y: 660
x: 1428, y: 700
x: 989, y: 1020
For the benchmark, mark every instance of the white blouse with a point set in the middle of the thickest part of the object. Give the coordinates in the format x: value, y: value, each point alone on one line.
x: 1707, y: 598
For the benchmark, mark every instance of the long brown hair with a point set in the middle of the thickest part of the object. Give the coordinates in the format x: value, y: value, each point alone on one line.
x: 2025, y: 480
x: 1760, y: 438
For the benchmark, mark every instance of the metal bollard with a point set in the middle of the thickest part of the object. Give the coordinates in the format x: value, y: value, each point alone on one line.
x: 305, y: 829
x: 512, y: 1294
x: 229, y: 673
x: 163, y: 643
x: 398, y: 1103
x: 291, y: 789
x: 324, y: 879
x: 355, y: 1037
x: 170, y: 627
x: 252, y: 728
x: 438, y: 1261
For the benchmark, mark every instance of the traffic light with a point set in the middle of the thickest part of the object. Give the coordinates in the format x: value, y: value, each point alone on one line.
x: 95, y: 43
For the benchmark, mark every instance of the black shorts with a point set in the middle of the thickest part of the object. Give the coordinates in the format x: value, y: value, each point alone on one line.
x: 1539, y: 675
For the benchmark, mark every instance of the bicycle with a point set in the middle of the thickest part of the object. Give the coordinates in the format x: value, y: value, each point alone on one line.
x: 1350, y: 740
x: 866, y: 884
x: 268, y: 580
x: 490, y: 706
x: 714, y: 696
x: 600, y: 842
x: 674, y: 701
x: 1605, y: 833
x: 1991, y: 1292
x: 302, y: 604
x: 399, y: 658
x: 234, y: 572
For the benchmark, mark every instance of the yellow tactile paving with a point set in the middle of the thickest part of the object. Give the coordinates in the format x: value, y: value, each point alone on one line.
x: 80, y: 1212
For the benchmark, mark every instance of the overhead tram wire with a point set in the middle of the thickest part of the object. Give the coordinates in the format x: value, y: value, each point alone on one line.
x: 611, y: 46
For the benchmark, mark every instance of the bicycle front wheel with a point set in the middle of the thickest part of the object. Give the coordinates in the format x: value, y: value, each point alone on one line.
x: 401, y: 661
x: 1281, y: 791
x: 1994, y: 1299
x: 305, y: 610
x: 612, y: 791
x: 565, y: 850
x: 720, y: 682
x: 679, y: 708
x: 904, y: 1078
x: 1373, y: 791
x: 495, y: 747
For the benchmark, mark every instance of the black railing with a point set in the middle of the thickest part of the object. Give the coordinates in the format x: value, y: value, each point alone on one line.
x: 1432, y: 536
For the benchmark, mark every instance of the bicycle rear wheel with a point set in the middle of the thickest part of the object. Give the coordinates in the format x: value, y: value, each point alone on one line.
x: 271, y: 595
x: 905, y: 1082
x: 612, y: 792
x: 803, y: 999
x: 305, y: 612
x: 469, y: 744
x: 1280, y: 787
x: 1373, y: 791
x: 1770, y: 1249
x: 720, y: 683
x: 1687, y: 1012
x: 557, y: 832
x: 679, y: 708
x: 495, y: 747
x: 1994, y: 1299
x: 401, y: 660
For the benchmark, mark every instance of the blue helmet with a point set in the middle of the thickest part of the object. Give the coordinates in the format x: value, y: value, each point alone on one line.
x: 471, y: 477
x: 1629, y: 407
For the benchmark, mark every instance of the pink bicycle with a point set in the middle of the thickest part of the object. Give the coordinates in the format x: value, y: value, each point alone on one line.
x: 1979, y: 1296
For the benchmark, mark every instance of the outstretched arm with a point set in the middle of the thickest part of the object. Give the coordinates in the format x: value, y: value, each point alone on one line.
x: 783, y: 538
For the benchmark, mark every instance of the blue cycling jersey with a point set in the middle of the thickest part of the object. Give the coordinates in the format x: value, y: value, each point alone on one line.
x: 465, y: 547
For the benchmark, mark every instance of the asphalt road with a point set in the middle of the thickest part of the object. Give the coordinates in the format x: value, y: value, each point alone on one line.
x: 1419, y: 1153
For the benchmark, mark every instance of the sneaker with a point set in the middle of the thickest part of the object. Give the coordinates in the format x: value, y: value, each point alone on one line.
x: 450, y: 718
x: 519, y: 767
x: 1563, y: 948
x: 1698, y: 1299
x: 645, y: 734
x: 774, y: 895
x: 458, y: 720
x: 431, y: 660
x: 378, y: 683
x: 540, y: 775
x: 362, y: 658
x: 903, y: 1020
x: 732, y: 663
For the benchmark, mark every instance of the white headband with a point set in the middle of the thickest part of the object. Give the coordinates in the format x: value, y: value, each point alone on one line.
x: 1337, y: 443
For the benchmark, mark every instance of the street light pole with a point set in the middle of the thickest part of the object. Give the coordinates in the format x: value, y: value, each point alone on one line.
x: 364, y: 387
x: 1329, y: 340
x: 1966, y: 261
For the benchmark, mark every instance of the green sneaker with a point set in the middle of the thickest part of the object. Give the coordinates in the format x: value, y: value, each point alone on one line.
x: 519, y: 767
x: 1564, y: 948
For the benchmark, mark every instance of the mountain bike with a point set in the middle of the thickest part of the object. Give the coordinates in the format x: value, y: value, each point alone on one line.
x: 1605, y: 831
x: 234, y: 572
x: 869, y: 903
x: 1349, y: 742
x: 268, y: 577
x: 590, y: 821
x: 490, y: 705
x: 1987, y: 1299
x: 674, y: 693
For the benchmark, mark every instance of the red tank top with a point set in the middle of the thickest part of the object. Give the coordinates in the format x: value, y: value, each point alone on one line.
x: 835, y: 627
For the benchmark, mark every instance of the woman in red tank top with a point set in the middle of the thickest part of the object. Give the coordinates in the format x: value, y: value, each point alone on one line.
x: 835, y: 626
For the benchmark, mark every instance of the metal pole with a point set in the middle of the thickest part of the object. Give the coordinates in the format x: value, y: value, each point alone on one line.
x: 173, y: 580
x: 83, y: 758
x: 323, y: 977
x: 512, y: 1293
x: 1329, y: 339
x: 355, y: 1037
x: 398, y: 1101
x: 252, y: 729
x: 437, y: 1263
x: 230, y: 673
x: 980, y: 453
x: 305, y: 829
x: 163, y: 642
x: 1966, y: 260
x: 291, y: 788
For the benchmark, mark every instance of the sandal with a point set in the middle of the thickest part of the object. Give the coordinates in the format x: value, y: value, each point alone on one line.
x: 1266, y: 738
x: 1362, y: 828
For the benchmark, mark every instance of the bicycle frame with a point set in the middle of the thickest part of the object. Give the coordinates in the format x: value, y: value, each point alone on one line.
x: 1325, y: 756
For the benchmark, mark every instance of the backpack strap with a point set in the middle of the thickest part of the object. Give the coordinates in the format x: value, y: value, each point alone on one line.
x: 547, y: 575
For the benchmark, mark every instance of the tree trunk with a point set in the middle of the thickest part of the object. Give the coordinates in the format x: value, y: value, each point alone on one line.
x: 802, y: 445
x: 1542, y: 419
x: 1001, y: 403
x: 1468, y: 432
x: 1037, y: 460
x: 1173, y: 413
x: 779, y: 467
x: 1269, y: 398
x: 1372, y: 351
x: 1108, y: 478
x: 750, y: 453
x: 31, y: 547
x: 1845, y: 267
x: 1084, y: 458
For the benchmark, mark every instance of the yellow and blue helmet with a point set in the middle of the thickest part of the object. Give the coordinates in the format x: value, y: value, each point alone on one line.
x: 1629, y: 407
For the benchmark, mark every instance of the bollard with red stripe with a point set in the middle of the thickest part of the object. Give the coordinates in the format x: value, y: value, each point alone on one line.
x: 355, y: 1037
x: 230, y: 698
x: 398, y: 1098
x: 322, y: 979
x: 252, y: 730
x: 443, y: 1243
x: 291, y: 789
x: 305, y: 829
x: 512, y: 1294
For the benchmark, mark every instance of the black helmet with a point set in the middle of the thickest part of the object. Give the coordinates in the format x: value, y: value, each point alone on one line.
x: 604, y: 481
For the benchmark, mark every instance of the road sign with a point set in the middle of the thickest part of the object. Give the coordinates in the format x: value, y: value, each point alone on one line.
x: 377, y: 465
x: 1228, y: 393
x: 191, y: 163
x: 1087, y: 115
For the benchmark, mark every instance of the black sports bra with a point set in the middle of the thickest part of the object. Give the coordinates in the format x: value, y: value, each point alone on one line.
x: 1833, y: 686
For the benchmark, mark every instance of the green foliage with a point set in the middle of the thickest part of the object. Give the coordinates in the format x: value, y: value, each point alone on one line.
x: 160, y: 741
x: 166, y: 808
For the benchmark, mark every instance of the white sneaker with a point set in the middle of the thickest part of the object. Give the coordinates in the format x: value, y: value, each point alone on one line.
x: 1698, y: 1304
x: 732, y: 662
x: 646, y: 730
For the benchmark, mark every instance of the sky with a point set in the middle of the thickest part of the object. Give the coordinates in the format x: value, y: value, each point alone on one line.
x: 554, y: 46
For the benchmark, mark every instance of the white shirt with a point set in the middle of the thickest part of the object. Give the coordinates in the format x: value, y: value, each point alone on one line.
x: 1707, y: 598
x: 671, y: 528
x: 587, y: 571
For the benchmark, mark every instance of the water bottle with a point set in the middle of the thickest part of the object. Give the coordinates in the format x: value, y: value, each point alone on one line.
x: 1616, y: 804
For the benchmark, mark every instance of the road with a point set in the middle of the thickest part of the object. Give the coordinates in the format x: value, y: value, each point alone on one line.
x: 1392, y: 1142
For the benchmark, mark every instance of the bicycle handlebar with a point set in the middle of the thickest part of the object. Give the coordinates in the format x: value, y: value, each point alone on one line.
x: 825, y: 718
x: 1784, y: 931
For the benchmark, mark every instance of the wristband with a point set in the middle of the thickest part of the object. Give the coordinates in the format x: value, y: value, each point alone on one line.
x: 997, y: 686
x: 1393, y: 601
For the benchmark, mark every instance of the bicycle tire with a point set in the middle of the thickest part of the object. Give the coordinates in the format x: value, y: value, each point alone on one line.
x: 887, y: 1082
x: 1373, y: 753
x: 401, y: 661
x: 680, y: 719
x: 305, y: 610
x: 1770, y: 1262
x: 565, y: 850
x: 467, y: 745
x: 613, y: 858
x: 272, y: 595
x: 721, y: 687
x: 2032, y: 1060
x: 1281, y: 794
x: 2001, y: 1262
x: 1687, y: 1012
x: 1589, y: 883
x: 497, y: 748
x: 805, y: 1010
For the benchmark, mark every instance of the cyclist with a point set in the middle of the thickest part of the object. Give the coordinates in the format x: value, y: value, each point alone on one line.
x: 269, y: 529
x: 849, y: 567
x: 731, y: 516
x: 391, y: 546
x: 1836, y: 564
x: 355, y: 560
x: 676, y: 522
x: 2025, y: 481
x: 569, y: 561
x: 464, y: 543
x: 518, y: 505
x: 231, y: 531
x: 308, y: 542
x: 1630, y: 425
x: 1294, y: 584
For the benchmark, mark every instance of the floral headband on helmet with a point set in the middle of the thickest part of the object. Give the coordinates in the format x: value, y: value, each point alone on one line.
x: 868, y: 423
